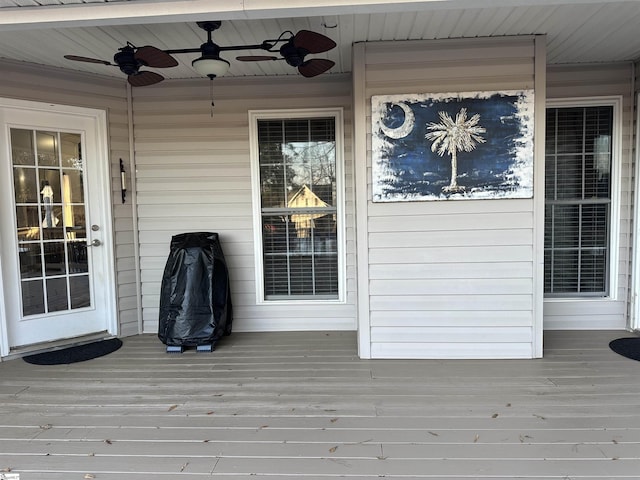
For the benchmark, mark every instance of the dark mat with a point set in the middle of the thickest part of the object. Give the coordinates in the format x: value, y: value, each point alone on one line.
x: 78, y: 353
x: 627, y: 347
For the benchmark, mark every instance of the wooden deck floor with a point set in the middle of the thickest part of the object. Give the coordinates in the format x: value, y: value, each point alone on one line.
x: 301, y: 405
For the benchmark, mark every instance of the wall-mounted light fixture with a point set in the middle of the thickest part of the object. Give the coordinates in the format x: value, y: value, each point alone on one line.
x: 123, y: 181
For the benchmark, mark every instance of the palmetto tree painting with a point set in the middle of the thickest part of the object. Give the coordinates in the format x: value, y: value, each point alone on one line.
x: 451, y: 136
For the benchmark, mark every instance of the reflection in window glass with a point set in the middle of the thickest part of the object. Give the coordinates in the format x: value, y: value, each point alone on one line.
x: 27, y: 220
x: 77, y: 257
x: 71, y: 150
x: 32, y: 297
x: 297, y: 160
x: 47, y: 145
x: 30, y: 260
x: 22, y: 152
x: 79, y: 291
x: 57, y: 295
x: 54, y: 259
x: 25, y: 185
x: 50, y: 219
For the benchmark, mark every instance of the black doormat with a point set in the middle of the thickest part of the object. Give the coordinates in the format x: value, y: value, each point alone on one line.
x: 78, y: 353
x: 627, y: 347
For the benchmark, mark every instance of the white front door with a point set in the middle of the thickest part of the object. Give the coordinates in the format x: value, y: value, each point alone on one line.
x: 55, y: 224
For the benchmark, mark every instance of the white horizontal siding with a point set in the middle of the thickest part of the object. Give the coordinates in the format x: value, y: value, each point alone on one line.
x: 451, y: 318
x: 477, y: 348
x: 447, y: 279
x: 592, y: 81
x: 194, y: 174
x: 24, y: 81
x: 452, y: 270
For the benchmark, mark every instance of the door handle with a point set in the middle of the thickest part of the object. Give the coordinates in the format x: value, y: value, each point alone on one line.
x: 95, y: 243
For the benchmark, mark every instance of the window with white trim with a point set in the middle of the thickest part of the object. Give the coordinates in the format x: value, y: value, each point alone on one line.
x: 578, y: 201
x: 297, y: 192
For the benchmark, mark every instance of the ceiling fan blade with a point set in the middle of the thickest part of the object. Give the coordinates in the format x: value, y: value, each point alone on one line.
x: 313, y: 42
x: 154, y: 57
x: 76, y: 58
x: 315, y: 66
x: 255, y: 58
x: 143, y: 79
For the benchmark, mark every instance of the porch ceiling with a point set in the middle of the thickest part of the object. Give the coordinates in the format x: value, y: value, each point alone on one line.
x: 43, y: 31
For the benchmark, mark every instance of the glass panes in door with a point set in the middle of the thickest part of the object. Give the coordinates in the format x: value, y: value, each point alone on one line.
x: 50, y: 220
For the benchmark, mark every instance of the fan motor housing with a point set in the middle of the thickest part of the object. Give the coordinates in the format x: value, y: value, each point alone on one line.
x: 293, y: 55
x: 126, y: 60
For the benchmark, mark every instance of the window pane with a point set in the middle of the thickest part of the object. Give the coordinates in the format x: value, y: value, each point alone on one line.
x: 578, y: 200
x: 327, y: 274
x: 77, y: 254
x: 276, y: 275
x: 32, y: 298
x: 593, y: 269
x: 30, y: 260
x: 297, y: 177
x: 272, y: 185
x: 275, y: 232
x: 57, y: 294
x: 301, y: 275
x: 595, y: 226
x: 565, y: 271
x: 569, y: 130
x: 72, y: 186
x: 28, y: 223
x: 54, y: 260
x: 597, y: 168
x: 26, y: 185
x: 568, y: 180
x: 22, y: 147
x: 71, y: 150
x: 79, y: 291
x: 47, y: 144
x: 566, y: 226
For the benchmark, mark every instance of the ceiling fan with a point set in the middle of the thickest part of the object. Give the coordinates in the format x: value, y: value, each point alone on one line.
x: 131, y: 58
x: 296, y: 48
x: 292, y: 48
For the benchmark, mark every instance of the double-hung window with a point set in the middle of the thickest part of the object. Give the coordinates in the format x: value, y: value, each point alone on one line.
x: 578, y: 200
x: 297, y: 204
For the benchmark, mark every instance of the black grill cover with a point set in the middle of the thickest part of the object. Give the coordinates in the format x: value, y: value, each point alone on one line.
x: 195, y: 302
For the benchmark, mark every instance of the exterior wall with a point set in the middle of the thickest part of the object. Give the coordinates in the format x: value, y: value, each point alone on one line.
x: 592, y: 81
x: 27, y: 82
x: 194, y: 174
x: 447, y: 279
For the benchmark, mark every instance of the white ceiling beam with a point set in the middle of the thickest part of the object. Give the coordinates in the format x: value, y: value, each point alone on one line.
x: 139, y: 12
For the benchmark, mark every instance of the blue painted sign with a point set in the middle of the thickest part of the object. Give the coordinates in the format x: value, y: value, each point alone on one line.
x: 452, y: 146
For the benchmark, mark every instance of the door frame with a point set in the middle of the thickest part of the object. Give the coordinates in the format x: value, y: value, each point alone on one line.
x: 634, y: 320
x: 103, y: 197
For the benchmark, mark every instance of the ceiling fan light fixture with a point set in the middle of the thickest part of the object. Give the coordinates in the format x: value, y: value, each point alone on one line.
x: 211, y: 66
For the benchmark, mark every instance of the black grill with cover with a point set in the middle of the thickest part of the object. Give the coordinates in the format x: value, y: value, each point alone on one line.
x: 195, y: 300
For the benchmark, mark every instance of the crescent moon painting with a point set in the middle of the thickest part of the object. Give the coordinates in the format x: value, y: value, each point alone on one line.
x: 405, y: 128
x: 452, y: 146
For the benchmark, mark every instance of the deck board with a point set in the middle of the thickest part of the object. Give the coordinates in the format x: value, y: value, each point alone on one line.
x: 302, y: 405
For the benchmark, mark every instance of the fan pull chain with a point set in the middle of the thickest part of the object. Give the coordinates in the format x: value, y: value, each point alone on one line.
x: 211, y: 95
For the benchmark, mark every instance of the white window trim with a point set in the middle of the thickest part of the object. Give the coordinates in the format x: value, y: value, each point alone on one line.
x: 254, y: 116
x: 616, y: 165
